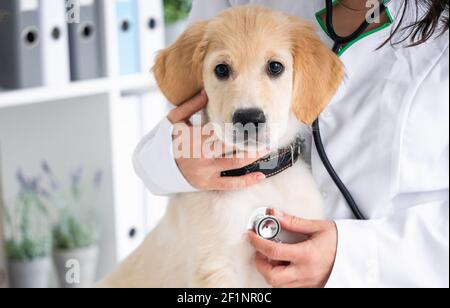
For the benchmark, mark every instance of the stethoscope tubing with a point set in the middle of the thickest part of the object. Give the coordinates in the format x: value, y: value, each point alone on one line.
x: 339, y: 41
x: 333, y: 174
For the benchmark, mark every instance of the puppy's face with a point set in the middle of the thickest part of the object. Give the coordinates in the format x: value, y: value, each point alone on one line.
x: 250, y: 87
x: 260, y: 68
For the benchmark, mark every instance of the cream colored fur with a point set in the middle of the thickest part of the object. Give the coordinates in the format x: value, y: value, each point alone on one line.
x: 200, y: 241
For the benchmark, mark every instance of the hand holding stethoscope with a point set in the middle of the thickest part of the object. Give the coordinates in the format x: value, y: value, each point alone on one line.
x: 306, y: 264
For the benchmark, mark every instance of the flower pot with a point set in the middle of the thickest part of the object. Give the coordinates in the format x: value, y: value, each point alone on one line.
x: 173, y: 31
x: 30, y: 274
x: 77, y: 268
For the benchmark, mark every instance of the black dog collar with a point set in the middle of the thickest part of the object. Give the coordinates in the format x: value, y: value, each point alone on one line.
x: 274, y: 163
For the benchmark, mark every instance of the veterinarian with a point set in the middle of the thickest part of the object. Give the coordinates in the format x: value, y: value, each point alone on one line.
x: 387, y: 134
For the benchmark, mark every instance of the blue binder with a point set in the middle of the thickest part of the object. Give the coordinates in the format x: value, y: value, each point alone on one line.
x: 128, y: 36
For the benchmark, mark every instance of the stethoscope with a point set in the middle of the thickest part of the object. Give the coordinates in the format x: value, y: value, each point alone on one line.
x: 264, y: 225
x: 268, y: 226
x: 339, y: 42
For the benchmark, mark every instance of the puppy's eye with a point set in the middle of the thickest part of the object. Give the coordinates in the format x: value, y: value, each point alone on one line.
x: 275, y: 69
x: 222, y: 71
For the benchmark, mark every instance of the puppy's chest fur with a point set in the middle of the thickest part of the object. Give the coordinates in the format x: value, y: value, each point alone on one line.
x: 293, y: 191
x: 200, y: 242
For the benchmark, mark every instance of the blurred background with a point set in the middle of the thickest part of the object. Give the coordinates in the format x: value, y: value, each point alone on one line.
x: 76, y: 96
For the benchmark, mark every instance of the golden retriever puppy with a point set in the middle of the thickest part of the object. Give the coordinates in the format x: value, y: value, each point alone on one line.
x: 256, y: 65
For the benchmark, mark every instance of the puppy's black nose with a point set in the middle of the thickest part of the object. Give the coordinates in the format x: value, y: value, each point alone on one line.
x: 249, y: 116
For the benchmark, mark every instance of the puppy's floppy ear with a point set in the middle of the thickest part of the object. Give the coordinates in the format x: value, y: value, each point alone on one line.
x: 318, y: 72
x: 178, y: 69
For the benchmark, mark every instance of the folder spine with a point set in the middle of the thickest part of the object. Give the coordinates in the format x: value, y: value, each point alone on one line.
x: 151, y: 31
x: 84, y: 43
x: 128, y: 36
x: 21, y: 52
x: 55, y: 43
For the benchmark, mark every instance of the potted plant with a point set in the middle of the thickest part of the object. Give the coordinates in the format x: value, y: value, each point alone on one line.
x: 28, y: 240
x: 176, y: 13
x: 75, y: 247
x: 75, y: 252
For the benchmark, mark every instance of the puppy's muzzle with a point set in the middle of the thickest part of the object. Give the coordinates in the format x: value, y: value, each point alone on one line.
x: 249, y: 125
x: 244, y: 117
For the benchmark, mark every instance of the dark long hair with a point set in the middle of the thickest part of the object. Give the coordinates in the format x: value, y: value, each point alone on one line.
x: 435, y: 21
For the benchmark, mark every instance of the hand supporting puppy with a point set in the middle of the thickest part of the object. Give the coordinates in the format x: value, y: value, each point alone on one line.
x: 310, y: 263
x: 204, y: 173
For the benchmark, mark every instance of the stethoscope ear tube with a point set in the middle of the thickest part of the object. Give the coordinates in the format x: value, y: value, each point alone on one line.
x: 336, y: 38
x: 342, y: 40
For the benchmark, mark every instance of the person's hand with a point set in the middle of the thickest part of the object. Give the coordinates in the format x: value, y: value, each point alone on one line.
x: 305, y: 265
x: 204, y: 173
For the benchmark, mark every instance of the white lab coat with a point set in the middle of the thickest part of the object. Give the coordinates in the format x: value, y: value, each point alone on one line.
x: 387, y: 134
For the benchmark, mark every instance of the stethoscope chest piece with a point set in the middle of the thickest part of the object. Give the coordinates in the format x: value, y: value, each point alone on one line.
x: 266, y: 226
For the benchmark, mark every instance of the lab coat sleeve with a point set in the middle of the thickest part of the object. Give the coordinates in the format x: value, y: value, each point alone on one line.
x: 410, y: 247
x: 154, y: 162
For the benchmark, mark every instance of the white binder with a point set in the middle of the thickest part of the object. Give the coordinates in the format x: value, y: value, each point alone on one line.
x: 137, y: 211
x: 151, y: 31
x: 129, y: 208
x: 55, y: 42
x: 154, y: 107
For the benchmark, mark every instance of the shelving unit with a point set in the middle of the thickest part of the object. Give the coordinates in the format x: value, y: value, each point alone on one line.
x: 85, y: 123
x: 134, y: 84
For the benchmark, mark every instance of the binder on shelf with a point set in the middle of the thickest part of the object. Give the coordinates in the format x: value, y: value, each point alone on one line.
x: 130, y: 208
x: 85, y: 42
x: 151, y: 31
x: 21, y: 51
x: 128, y: 36
x: 55, y: 43
x: 154, y: 107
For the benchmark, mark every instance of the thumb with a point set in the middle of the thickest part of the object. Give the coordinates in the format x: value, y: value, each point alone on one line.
x: 296, y: 224
x: 186, y: 110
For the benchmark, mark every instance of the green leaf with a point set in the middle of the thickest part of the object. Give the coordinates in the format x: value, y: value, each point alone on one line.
x: 71, y: 234
x: 176, y: 10
x: 28, y: 249
x: 24, y: 243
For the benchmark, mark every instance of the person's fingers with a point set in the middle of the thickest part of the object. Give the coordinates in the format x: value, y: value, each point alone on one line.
x: 272, y: 250
x: 275, y: 275
x: 236, y: 183
x: 189, y: 108
x: 297, y: 224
